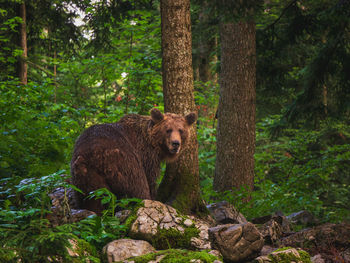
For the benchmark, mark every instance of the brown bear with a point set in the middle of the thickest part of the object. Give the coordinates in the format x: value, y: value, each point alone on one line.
x: 125, y: 156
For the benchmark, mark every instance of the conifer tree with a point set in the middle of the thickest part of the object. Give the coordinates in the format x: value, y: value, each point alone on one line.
x: 180, y: 185
x: 236, y: 112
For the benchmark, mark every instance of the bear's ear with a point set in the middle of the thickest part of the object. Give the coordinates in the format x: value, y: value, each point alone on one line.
x: 191, y: 118
x: 156, y: 115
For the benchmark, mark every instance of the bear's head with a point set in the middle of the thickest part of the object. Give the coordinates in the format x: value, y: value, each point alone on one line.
x: 170, y: 132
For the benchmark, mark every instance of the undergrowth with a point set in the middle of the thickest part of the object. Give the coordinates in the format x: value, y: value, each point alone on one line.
x: 300, y: 170
x: 27, y: 235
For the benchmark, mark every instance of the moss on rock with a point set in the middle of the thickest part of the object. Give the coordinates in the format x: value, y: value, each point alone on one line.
x: 176, y: 256
x: 82, y: 251
x: 173, y: 238
x: 288, y: 255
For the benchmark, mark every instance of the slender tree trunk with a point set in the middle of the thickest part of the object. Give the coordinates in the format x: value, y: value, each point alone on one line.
x: 325, y: 99
x: 23, y: 72
x: 180, y: 185
x: 236, y: 112
x: 55, y: 74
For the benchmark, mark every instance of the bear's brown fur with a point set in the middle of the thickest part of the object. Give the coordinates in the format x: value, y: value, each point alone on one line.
x: 125, y: 157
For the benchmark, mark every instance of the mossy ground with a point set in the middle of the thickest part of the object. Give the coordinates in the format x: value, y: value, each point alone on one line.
x: 176, y: 256
x: 289, y: 257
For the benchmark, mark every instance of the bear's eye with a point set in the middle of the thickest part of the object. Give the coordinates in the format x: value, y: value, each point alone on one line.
x: 181, y: 131
x: 169, y: 131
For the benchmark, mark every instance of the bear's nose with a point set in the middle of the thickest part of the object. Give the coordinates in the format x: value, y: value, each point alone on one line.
x: 175, y: 144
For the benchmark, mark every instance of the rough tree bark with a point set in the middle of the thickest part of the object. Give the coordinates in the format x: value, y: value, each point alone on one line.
x: 180, y: 185
x: 236, y: 112
x: 23, y: 32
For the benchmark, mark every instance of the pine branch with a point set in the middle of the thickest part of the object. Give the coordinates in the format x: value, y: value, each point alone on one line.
x: 281, y: 15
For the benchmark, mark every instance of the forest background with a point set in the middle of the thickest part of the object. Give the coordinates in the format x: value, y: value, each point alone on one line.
x: 73, y: 75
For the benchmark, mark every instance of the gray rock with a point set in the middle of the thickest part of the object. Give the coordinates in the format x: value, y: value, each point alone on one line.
x: 156, y: 215
x: 215, y: 253
x: 64, y: 204
x: 302, y: 217
x: 123, y: 249
x: 80, y: 214
x: 277, y: 217
x: 271, y: 231
x: 317, y: 259
x: 64, y: 196
x: 236, y: 242
x: 152, y: 216
x: 320, y: 236
x: 122, y: 215
x: 263, y: 259
x: 225, y: 213
x: 202, y: 241
x: 188, y: 222
x: 266, y: 250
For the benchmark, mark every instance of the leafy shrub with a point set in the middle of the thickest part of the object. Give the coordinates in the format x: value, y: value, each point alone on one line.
x: 27, y: 235
x: 25, y: 232
x: 206, y: 102
x: 36, y: 135
x: 303, y: 169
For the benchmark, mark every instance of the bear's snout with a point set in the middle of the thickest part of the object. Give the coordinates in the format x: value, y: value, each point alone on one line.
x: 175, y: 144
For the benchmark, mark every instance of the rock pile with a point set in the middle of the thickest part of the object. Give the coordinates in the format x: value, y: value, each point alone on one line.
x: 160, y: 233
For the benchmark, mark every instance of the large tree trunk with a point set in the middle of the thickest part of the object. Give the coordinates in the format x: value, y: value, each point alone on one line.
x: 23, y: 31
x: 236, y: 113
x: 180, y: 185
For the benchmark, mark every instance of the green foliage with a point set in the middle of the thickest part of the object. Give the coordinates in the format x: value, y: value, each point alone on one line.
x: 8, y: 51
x: 125, y: 79
x: 106, y: 197
x: 100, y: 230
x: 303, y: 56
x: 31, y: 193
x: 303, y: 170
x: 30, y: 240
x: 25, y: 232
x: 36, y: 135
x: 27, y: 238
x: 206, y: 99
x: 96, y: 230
